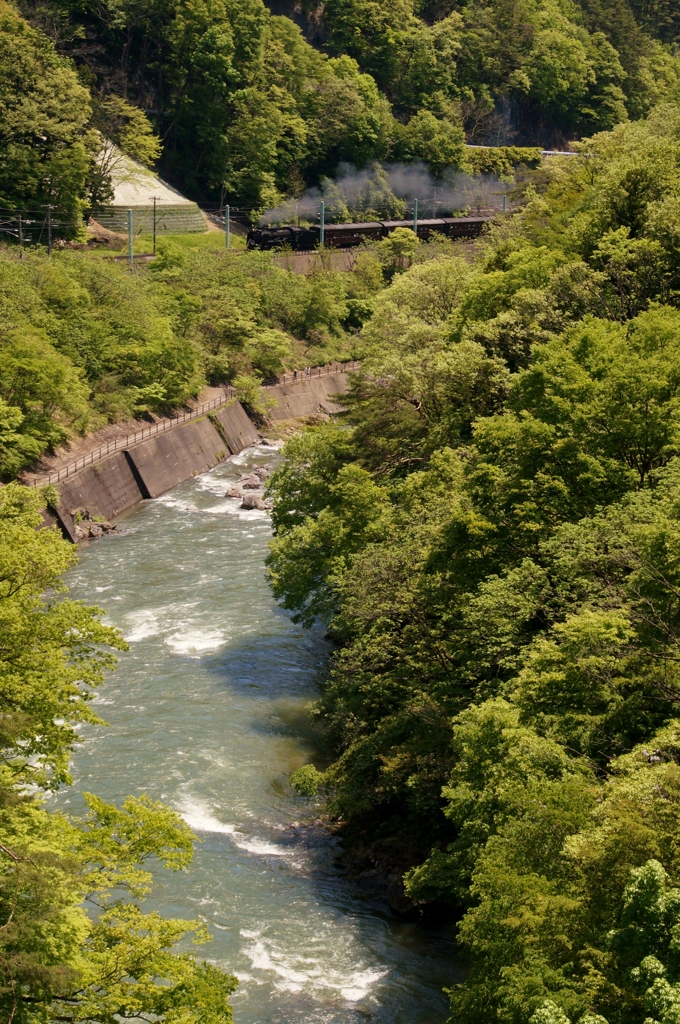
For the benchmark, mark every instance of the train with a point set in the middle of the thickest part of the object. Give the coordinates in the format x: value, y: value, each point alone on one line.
x: 345, y: 236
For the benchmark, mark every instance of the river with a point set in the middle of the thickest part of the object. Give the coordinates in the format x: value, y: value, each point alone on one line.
x: 206, y: 712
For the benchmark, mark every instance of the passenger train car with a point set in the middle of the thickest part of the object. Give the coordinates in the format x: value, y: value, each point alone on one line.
x: 344, y: 236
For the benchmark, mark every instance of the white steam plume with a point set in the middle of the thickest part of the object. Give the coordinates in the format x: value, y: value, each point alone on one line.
x: 386, y: 193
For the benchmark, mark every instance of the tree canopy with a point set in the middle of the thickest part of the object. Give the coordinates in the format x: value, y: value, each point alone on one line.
x: 490, y: 533
x: 83, y: 342
x: 247, y: 108
x: 45, y: 144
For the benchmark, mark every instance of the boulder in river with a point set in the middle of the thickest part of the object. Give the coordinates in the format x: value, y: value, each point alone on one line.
x: 250, y: 482
x: 234, y: 492
x: 88, y: 527
x: 251, y: 501
x: 85, y: 518
x: 261, y: 472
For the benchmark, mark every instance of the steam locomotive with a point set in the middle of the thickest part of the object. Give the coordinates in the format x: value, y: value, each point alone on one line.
x: 344, y: 236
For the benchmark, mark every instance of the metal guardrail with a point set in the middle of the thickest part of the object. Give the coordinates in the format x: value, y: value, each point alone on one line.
x: 56, y: 476
x: 312, y: 371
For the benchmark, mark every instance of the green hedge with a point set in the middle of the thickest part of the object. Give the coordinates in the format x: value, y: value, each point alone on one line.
x: 502, y: 160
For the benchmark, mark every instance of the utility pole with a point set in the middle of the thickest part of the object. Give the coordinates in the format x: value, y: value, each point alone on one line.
x: 49, y: 230
x: 21, y: 239
x: 227, y: 226
x: 505, y: 203
x: 322, y: 223
x: 155, y: 201
x: 415, y: 217
x: 130, y: 250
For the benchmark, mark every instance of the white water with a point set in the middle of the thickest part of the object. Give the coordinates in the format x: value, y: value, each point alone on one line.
x: 206, y: 712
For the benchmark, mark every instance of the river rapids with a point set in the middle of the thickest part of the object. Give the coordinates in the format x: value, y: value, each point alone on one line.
x: 207, y: 713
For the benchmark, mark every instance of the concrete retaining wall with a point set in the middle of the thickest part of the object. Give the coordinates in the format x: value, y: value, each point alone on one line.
x: 146, y: 471
x: 307, y: 396
x: 160, y: 463
x: 164, y: 461
x: 236, y: 427
x: 107, y: 489
x: 311, y: 262
x: 62, y: 520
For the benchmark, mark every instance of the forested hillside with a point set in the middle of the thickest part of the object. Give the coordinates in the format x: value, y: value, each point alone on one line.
x: 492, y: 539
x: 237, y: 105
x: 84, y: 342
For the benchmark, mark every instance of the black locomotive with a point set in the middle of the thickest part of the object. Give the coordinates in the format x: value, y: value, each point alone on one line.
x: 344, y: 236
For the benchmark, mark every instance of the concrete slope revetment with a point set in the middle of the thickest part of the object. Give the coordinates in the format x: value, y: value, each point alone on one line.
x: 150, y: 468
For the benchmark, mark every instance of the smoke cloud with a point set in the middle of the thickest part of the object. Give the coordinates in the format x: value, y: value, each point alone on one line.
x: 388, y: 193
x: 437, y: 197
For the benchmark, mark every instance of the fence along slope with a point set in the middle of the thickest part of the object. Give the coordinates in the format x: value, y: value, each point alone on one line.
x: 56, y: 476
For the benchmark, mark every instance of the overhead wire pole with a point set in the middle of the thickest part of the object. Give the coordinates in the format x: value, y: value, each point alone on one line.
x: 49, y: 230
x: 130, y: 248
x: 322, y: 223
x: 227, y: 226
x: 21, y: 239
x: 415, y: 217
x: 155, y: 202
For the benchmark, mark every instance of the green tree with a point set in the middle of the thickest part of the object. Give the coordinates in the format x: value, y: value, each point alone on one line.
x: 46, y: 144
x: 15, y: 449
x: 438, y: 143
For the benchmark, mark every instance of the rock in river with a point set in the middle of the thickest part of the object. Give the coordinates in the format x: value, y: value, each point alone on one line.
x: 251, y: 501
x: 250, y: 482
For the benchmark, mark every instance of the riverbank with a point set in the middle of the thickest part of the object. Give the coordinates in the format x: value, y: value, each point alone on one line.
x: 112, y: 478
